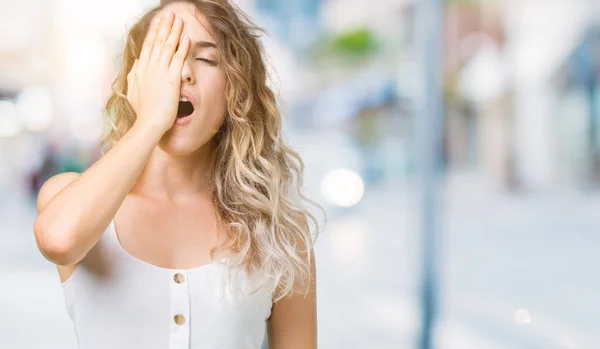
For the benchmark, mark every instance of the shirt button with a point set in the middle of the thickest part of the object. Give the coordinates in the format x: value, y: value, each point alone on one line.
x: 179, y: 278
x: 179, y: 319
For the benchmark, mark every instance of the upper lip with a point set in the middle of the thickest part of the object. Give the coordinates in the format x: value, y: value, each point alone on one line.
x: 189, y: 96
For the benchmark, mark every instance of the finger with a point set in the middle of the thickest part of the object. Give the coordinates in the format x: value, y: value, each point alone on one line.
x: 179, y: 56
x: 149, y: 41
x: 161, y: 36
x: 171, y: 43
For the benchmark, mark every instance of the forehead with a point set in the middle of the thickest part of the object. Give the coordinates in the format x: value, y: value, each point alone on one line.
x: 195, y: 25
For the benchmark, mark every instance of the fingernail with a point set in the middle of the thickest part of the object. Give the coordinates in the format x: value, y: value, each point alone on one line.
x: 156, y: 20
x: 178, y: 20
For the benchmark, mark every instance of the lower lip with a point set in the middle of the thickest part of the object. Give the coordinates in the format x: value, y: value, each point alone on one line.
x: 185, y: 120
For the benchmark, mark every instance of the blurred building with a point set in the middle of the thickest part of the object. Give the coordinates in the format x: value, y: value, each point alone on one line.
x: 578, y: 119
x: 296, y: 22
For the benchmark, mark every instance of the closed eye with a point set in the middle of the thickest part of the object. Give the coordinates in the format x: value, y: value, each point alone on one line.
x: 209, y: 61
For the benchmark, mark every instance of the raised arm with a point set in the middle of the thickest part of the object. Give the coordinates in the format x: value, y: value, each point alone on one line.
x: 74, y: 210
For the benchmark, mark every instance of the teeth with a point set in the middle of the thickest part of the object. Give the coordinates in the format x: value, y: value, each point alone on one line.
x: 183, y: 99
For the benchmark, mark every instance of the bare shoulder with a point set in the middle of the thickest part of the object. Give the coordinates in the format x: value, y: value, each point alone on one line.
x: 53, y: 186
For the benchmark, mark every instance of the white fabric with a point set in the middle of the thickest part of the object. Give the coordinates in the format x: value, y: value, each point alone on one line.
x: 118, y: 301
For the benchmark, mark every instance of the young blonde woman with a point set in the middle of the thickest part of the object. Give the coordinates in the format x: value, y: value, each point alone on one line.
x: 190, y: 231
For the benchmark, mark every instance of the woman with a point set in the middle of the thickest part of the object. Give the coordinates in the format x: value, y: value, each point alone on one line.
x: 189, y: 232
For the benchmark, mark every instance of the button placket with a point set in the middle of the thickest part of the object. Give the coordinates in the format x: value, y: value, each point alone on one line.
x: 180, y: 310
x: 179, y: 278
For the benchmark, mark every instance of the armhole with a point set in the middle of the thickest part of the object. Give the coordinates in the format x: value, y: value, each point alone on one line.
x: 104, y: 241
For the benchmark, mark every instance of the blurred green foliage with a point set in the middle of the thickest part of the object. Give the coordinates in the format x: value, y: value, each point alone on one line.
x: 352, y: 47
x: 356, y: 42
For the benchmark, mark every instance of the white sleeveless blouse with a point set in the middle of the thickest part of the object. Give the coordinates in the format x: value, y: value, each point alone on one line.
x: 118, y: 301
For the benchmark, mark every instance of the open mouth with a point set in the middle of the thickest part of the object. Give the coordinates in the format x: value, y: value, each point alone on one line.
x: 186, y: 108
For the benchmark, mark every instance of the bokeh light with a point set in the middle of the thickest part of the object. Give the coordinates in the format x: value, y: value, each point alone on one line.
x: 522, y: 317
x: 10, y: 125
x: 35, y: 108
x: 342, y: 187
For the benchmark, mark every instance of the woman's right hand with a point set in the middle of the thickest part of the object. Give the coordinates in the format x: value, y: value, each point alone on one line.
x: 154, y: 82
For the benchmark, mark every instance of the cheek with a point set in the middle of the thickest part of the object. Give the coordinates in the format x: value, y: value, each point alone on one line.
x: 214, y: 86
x: 218, y: 83
x: 215, y: 103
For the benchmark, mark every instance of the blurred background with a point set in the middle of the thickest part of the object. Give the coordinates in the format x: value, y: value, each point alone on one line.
x: 513, y: 188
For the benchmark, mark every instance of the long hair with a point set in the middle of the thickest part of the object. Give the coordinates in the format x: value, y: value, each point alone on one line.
x: 256, y: 178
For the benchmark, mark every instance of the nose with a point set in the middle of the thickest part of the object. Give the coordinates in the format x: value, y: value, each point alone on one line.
x: 187, y: 75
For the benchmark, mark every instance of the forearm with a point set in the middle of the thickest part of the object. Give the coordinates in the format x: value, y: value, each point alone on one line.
x: 74, y: 219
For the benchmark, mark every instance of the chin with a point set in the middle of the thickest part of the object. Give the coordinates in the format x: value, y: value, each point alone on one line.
x: 178, y: 146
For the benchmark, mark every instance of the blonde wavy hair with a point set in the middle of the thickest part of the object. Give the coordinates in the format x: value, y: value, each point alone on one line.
x: 256, y: 178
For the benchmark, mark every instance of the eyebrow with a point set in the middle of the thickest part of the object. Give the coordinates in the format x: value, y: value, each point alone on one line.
x: 204, y: 44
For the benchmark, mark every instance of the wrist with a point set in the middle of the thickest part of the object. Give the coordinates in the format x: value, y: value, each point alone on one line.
x: 147, y: 131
